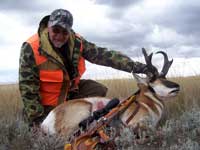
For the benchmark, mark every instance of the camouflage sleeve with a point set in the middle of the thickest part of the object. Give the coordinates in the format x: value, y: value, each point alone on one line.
x: 110, y: 58
x: 29, y: 84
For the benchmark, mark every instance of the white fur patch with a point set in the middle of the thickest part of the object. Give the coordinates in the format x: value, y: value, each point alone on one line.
x: 148, y: 94
x: 158, y: 104
x: 48, y: 125
x: 96, y: 101
x: 161, y: 90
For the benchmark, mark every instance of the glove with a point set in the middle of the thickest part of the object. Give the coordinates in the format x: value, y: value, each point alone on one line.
x: 150, y: 71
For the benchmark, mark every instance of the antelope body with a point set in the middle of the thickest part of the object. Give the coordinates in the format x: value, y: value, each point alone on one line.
x: 149, y: 106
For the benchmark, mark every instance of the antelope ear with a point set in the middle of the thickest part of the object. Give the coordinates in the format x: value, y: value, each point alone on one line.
x: 141, y: 80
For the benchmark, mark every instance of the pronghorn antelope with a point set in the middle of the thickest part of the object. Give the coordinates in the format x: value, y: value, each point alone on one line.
x: 148, y: 103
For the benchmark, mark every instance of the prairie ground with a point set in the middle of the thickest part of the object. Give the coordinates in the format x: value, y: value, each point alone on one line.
x: 181, y: 130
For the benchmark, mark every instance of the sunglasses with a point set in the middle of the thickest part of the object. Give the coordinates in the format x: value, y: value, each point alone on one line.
x: 58, y: 30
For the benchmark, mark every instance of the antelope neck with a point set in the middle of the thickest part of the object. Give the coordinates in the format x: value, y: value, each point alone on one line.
x: 158, y: 104
x: 154, y: 99
x: 134, y: 112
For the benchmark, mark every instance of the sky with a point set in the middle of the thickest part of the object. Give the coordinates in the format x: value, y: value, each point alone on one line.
x: 123, y: 25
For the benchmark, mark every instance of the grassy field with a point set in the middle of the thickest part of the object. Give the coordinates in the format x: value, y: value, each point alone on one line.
x: 180, y: 131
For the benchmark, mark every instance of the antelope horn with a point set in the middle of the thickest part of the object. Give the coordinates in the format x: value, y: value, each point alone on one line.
x: 147, y: 58
x: 166, y: 65
x: 152, y: 72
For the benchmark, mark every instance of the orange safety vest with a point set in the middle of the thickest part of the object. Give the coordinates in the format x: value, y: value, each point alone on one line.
x: 52, y: 80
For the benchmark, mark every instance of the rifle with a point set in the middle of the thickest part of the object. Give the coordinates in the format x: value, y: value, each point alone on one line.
x: 94, y: 133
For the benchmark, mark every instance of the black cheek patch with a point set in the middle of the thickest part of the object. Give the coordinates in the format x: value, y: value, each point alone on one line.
x: 169, y: 84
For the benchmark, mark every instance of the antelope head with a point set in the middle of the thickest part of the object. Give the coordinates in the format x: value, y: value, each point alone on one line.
x: 157, y: 82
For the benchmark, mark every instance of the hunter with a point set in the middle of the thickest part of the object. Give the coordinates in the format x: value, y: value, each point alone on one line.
x: 52, y: 62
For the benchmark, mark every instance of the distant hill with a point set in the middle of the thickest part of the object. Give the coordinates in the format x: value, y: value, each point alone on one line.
x: 8, y: 76
x: 180, y: 67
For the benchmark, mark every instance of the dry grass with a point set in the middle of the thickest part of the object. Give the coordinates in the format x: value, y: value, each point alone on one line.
x: 183, y: 125
x: 10, y: 103
x: 189, y: 96
x: 121, y: 88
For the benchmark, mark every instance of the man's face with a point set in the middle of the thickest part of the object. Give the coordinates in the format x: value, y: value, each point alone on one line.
x: 58, y: 36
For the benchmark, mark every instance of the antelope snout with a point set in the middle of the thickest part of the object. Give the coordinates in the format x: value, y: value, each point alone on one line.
x: 175, y: 90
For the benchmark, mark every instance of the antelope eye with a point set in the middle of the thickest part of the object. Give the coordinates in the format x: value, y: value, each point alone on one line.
x: 153, y: 79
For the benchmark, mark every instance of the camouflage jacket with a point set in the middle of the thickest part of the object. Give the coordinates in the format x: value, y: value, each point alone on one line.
x: 29, y: 80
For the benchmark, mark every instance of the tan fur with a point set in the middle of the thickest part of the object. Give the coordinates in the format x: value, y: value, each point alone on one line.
x: 147, y: 106
x: 69, y: 114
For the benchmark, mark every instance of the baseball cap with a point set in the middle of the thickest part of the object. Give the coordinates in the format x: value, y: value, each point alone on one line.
x: 61, y: 17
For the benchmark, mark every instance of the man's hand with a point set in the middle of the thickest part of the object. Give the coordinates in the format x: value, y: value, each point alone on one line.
x: 150, y: 71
